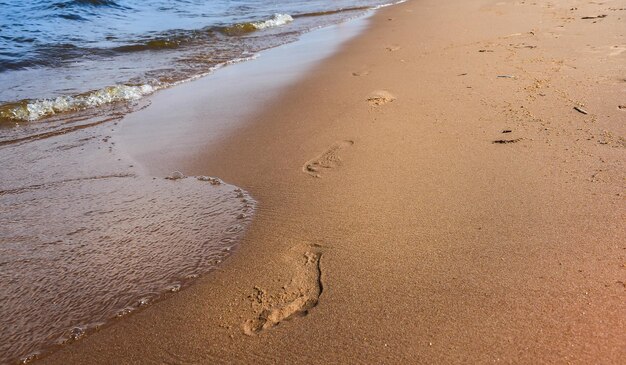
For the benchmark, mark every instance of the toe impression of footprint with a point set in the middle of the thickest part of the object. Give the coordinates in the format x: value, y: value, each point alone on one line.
x: 380, y: 97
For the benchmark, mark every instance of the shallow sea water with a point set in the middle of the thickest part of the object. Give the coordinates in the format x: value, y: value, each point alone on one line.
x: 86, y: 238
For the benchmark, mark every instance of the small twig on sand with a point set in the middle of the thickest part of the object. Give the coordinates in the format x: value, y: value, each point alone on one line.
x: 507, y: 141
x: 580, y: 110
x: 594, y: 17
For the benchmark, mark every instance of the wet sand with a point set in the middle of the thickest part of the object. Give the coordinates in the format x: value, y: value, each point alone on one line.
x: 85, y: 238
x: 429, y: 194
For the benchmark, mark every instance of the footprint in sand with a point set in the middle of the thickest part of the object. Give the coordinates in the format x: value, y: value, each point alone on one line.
x: 298, y: 297
x: 380, y: 97
x: 360, y: 73
x: 617, y: 50
x: 327, y: 160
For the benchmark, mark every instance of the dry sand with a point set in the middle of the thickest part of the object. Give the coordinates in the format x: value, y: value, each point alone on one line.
x: 401, y: 222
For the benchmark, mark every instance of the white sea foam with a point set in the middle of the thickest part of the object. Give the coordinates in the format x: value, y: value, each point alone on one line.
x: 37, y: 109
x: 33, y: 110
x: 276, y: 21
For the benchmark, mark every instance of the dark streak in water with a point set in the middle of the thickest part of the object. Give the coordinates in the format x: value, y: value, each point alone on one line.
x: 51, y: 184
x: 56, y: 132
x: 331, y: 12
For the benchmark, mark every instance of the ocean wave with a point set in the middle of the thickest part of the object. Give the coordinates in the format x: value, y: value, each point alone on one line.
x: 31, y: 110
x: 276, y: 21
x: 180, y: 38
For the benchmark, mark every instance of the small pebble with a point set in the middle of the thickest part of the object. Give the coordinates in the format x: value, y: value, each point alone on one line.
x: 176, y: 175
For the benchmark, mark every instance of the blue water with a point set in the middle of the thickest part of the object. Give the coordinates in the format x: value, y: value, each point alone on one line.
x: 65, y: 48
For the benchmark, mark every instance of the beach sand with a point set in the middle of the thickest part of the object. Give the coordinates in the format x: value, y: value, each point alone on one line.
x: 428, y: 194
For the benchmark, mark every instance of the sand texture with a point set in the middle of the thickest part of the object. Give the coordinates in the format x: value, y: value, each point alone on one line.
x: 447, y: 188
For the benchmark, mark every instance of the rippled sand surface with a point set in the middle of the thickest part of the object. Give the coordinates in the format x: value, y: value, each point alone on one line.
x: 85, y: 237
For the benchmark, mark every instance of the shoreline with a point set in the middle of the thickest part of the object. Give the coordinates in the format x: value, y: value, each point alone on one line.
x: 422, y: 240
x: 212, y: 109
x: 111, y: 85
x: 104, y: 142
